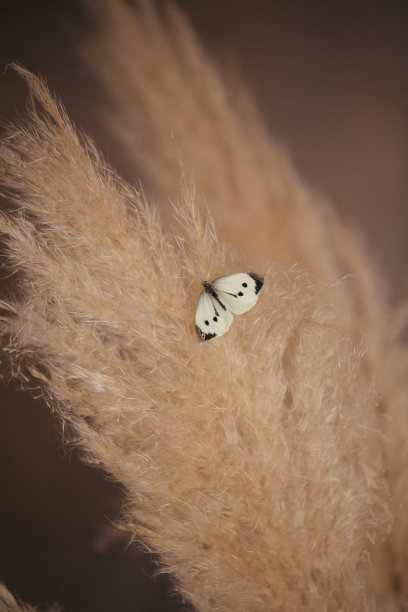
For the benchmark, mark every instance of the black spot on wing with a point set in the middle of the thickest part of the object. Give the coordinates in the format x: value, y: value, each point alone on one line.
x: 259, y: 281
x: 202, y: 336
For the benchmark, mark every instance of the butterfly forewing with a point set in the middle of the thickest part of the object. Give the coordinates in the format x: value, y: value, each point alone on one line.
x: 239, y: 292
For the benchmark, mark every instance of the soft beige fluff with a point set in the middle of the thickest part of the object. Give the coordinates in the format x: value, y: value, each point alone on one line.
x: 257, y: 464
x: 9, y: 604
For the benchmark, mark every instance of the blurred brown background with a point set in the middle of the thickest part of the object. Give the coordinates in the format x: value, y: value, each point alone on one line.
x: 331, y: 81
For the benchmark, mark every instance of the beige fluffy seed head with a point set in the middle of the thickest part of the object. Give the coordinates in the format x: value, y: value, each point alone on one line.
x: 253, y: 464
x: 259, y: 204
x: 9, y: 604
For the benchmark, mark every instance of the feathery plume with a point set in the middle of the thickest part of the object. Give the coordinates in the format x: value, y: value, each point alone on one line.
x: 252, y: 464
x: 169, y: 100
x: 9, y: 604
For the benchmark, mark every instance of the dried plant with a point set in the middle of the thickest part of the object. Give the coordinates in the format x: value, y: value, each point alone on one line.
x: 9, y: 604
x: 253, y: 464
x: 258, y: 201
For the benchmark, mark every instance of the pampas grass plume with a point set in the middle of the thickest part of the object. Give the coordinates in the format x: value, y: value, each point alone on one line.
x: 259, y: 204
x: 8, y: 603
x: 252, y: 464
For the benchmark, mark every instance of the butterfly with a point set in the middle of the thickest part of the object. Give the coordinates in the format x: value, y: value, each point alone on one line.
x: 234, y: 293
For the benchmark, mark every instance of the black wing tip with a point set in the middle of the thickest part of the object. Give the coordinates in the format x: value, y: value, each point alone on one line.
x: 259, y: 281
x: 203, y: 337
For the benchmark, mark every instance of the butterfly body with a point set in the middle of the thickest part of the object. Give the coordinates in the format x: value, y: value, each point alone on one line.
x: 234, y: 293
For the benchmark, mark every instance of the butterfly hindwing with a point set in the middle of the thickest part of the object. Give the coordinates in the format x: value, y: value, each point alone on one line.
x: 211, y: 319
x: 238, y: 292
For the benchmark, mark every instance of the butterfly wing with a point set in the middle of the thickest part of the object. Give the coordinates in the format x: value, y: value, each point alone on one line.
x: 238, y: 292
x: 211, y: 319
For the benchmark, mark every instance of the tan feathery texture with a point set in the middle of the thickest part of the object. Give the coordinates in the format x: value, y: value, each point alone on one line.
x: 9, y: 604
x: 252, y: 463
x: 168, y: 100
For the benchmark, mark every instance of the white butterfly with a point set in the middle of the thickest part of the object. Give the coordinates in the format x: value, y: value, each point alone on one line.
x: 235, y: 293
